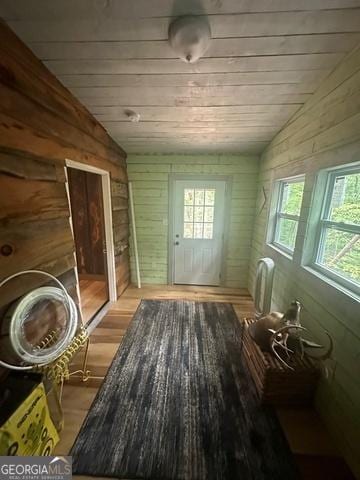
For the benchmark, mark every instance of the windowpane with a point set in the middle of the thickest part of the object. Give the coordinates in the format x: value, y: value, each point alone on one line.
x: 199, y: 214
x: 208, y: 231
x: 209, y: 214
x: 345, y: 199
x: 340, y: 251
x: 199, y: 197
x: 286, y: 232
x: 198, y: 230
x: 209, y: 197
x: 188, y: 196
x: 188, y: 214
x: 198, y: 218
x: 188, y: 230
x: 287, y: 215
x: 291, y: 198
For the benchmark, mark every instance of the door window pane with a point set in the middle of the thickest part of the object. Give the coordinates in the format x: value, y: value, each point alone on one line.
x: 199, y: 214
x: 188, y: 230
x: 209, y: 214
x: 208, y: 231
x: 189, y: 196
x: 199, y: 197
x: 209, y: 197
x: 188, y: 214
x: 198, y: 230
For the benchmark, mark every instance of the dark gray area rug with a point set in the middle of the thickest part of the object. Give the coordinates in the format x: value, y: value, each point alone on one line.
x: 178, y: 403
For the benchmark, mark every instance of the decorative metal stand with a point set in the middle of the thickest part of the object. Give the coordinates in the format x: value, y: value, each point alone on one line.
x: 84, y: 374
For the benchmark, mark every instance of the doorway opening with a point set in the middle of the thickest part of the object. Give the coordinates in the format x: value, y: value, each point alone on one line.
x: 89, y: 197
x: 198, y: 226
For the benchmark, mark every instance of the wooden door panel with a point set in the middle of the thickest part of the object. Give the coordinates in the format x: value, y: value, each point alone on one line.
x: 96, y: 222
x: 87, y: 213
x: 79, y: 214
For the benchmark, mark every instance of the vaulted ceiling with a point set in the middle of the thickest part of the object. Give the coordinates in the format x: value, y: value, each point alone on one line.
x: 265, y: 59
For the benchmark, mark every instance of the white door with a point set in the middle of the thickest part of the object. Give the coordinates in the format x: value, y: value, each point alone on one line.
x: 198, y: 231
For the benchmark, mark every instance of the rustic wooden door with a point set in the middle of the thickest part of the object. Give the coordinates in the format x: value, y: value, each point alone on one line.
x: 87, y: 212
x: 198, y: 231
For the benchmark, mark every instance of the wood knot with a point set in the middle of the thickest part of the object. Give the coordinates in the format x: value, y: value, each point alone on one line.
x: 7, y: 76
x: 6, y: 250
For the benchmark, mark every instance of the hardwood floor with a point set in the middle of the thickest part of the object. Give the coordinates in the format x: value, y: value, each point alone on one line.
x: 93, y: 295
x: 307, y: 436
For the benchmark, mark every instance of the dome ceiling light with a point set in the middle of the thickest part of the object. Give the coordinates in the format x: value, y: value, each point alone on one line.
x: 132, y: 116
x: 189, y: 37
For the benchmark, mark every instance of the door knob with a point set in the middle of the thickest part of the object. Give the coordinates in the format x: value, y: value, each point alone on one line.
x: 177, y: 243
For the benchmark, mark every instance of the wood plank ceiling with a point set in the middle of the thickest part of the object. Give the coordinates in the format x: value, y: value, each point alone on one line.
x: 266, y: 58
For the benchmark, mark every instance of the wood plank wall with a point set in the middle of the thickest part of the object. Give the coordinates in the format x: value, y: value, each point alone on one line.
x: 41, y: 125
x: 324, y: 133
x: 149, y: 175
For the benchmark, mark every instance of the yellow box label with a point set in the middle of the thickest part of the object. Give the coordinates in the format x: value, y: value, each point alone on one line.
x: 29, y: 430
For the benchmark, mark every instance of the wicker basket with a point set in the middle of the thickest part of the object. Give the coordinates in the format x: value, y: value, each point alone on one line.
x: 276, y: 384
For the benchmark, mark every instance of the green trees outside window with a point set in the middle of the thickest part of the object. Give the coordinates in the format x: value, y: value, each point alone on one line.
x: 339, y: 245
x: 288, y: 213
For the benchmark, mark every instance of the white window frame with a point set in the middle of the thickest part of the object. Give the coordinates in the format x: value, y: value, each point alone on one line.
x: 203, y: 222
x: 277, y: 215
x: 324, y: 223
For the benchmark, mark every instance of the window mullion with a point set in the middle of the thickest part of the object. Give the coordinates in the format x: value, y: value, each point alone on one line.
x: 289, y: 216
x: 342, y: 226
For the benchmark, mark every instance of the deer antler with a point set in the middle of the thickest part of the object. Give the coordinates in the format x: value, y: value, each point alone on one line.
x: 327, y: 354
x: 275, y: 343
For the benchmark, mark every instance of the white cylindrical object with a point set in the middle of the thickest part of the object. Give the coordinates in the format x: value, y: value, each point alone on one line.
x: 133, y: 225
x: 265, y: 269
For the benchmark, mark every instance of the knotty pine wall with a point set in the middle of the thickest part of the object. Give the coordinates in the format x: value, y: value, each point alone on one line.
x: 41, y: 125
x: 325, y: 132
x: 149, y: 175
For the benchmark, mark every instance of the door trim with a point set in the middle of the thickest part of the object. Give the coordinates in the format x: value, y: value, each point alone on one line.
x: 109, y: 237
x: 173, y: 177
